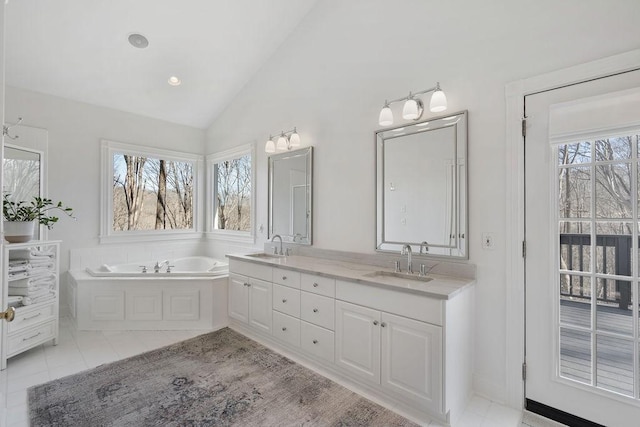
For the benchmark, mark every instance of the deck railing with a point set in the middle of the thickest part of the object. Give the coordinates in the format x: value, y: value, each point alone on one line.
x: 617, y: 247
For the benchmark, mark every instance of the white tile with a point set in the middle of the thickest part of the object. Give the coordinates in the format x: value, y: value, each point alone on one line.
x: 17, y: 416
x: 62, y: 355
x: 469, y: 419
x: 30, y: 362
x: 25, y: 382
x: 501, y: 415
x: 478, y: 405
x: 17, y: 398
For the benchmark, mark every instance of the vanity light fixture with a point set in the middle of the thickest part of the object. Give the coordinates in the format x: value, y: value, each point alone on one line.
x: 286, y: 141
x: 413, y: 106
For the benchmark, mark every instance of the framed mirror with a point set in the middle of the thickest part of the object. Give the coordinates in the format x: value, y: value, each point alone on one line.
x: 23, y: 174
x: 421, y: 187
x: 291, y: 195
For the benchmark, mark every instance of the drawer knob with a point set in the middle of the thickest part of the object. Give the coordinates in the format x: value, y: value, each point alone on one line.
x: 375, y: 322
x: 246, y: 284
x: 315, y: 341
x: 284, y: 300
x: 315, y: 310
x: 249, y: 284
x: 284, y: 328
x: 315, y: 285
x: 284, y: 277
x: 383, y: 324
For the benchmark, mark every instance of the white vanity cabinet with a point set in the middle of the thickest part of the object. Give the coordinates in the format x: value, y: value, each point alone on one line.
x: 250, y: 294
x: 36, y: 321
x: 407, y: 348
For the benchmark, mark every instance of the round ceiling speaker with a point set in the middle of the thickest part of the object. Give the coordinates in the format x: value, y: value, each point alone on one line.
x: 138, y: 40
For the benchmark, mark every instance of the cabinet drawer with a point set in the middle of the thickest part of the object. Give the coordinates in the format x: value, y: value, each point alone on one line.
x: 29, y: 337
x: 318, y: 310
x: 286, y: 300
x: 286, y: 277
x: 405, y: 304
x: 28, y: 316
x: 286, y: 328
x: 318, y: 285
x: 250, y: 269
x: 317, y: 341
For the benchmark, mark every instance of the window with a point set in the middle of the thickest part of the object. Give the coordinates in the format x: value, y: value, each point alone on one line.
x: 148, y: 192
x: 232, y: 199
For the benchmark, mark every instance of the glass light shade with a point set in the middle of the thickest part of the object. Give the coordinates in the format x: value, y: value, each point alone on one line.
x: 386, y: 116
x: 410, y: 110
x: 270, y: 147
x: 438, y: 102
x: 282, y: 143
x: 294, y: 139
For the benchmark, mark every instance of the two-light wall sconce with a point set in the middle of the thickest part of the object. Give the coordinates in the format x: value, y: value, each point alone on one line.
x: 286, y: 141
x: 413, y: 107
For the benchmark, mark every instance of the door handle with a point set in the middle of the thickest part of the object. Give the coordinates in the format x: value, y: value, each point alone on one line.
x: 8, y: 314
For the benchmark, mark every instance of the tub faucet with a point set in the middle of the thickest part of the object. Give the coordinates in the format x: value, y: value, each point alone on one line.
x: 426, y: 247
x: 279, y: 237
x: 158, y: 266
x: 406, y: 250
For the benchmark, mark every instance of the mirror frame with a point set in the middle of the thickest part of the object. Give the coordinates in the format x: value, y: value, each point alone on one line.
x: 459, y: 244
x: 288, y: 238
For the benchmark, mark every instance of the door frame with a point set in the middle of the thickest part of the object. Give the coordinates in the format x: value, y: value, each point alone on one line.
x: 515, y: 94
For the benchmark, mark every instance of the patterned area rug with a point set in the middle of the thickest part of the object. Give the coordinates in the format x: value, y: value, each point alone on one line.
x: 217, y: 379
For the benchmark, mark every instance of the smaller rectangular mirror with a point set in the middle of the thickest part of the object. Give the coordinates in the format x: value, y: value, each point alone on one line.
x: 291, y: 195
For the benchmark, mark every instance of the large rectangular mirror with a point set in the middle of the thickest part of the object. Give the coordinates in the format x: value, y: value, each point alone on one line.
x: 421, y: 185
x: 290, y: 195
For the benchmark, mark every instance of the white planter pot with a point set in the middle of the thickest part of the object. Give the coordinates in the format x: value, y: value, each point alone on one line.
x: 19, y: 231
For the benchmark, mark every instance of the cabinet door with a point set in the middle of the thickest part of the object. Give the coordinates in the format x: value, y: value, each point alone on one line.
x: 239, y: 297
x: 260, y: 304
x: 412, y: 360
x: 358, y: 340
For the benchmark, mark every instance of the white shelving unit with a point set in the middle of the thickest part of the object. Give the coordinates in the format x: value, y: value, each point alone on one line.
x: 37, y: 323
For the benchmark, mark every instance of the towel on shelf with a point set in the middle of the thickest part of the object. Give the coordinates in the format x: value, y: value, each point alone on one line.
x: 48, y: 279
x: 17, y: 265
x: 32, y: 292
x: 36, y: 300
x: 34, y: 269
x: 14, y: 301
x: 30, y: 254
x: 17, y: 275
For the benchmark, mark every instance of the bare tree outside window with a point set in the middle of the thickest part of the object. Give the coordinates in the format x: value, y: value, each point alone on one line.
x: 151, y: 193
x: 233, y: 194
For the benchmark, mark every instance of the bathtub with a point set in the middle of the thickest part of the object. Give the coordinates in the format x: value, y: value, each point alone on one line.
x: 193, y: 296
x: 195, y: 266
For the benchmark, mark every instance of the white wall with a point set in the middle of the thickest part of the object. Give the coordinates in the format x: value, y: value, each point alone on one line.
x: 331, y: 77
x: 75, y: 130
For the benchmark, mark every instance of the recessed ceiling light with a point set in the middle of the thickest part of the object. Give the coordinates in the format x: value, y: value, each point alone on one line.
x: 138, y: 40
x: 174, y: 81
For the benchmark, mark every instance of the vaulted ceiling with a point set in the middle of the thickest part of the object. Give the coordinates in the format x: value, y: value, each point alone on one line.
x: 78, y: 49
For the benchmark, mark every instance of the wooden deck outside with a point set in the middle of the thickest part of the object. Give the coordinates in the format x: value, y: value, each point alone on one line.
x: 614, y: 369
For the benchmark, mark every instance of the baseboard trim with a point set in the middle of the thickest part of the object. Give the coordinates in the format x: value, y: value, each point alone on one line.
x: 558, y: 415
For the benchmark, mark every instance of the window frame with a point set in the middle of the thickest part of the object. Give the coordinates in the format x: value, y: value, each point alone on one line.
x: 230, y: 235
x: 107, y: 234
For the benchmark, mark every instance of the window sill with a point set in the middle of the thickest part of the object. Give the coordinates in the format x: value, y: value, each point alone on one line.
x: 230, y: 236
x: 135, y: 237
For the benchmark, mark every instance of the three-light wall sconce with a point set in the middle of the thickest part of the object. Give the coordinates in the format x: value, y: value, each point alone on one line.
x: 286, y: 141
x: 413, y: 106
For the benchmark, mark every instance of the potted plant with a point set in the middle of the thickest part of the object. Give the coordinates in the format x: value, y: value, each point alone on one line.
x: 20, y: 217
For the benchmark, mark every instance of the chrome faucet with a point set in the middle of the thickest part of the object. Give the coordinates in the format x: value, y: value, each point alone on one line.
x: 279, y: 237
x: 426, y: 247
x: 158, y: 266
x: 406, y: 250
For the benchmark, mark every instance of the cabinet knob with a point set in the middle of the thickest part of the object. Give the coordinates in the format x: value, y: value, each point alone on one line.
x: 284, y: 300
x: 284, y: 328
x: 315, y: 285
x: 284, y: 277
x: 375, y: 322
x: 246, y: 284
x: 315, y: 341
x: 249, y: 284
x: 383, y: 324
x: 315, y: 310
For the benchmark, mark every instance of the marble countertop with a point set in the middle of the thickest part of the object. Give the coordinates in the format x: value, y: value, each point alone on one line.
x: 441, y: 287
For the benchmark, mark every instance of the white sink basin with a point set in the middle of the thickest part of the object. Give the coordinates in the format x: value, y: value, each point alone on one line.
x: 405, y: 276
x: 263, y: 255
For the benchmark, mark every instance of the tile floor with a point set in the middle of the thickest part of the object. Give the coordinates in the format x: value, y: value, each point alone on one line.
x: 80, y: 350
